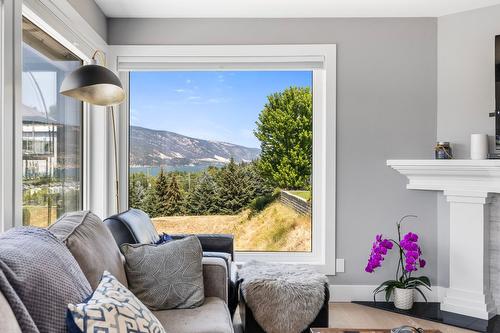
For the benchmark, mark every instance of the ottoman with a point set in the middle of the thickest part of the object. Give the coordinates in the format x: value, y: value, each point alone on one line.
x: 279, y: 298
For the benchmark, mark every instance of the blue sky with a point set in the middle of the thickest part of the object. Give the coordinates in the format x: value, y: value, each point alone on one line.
x: 210, y: 105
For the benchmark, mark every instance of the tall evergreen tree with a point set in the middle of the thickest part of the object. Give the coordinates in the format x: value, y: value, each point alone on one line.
x: 232, y: 186
x: 202, y: 200
x: 161, y: 194
x: 150, y: 202
x: 136, y: 192
x: 257, y: 184
x: 174, y: 199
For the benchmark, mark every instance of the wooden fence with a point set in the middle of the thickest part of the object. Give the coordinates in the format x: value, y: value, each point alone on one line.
x: 300, y: 205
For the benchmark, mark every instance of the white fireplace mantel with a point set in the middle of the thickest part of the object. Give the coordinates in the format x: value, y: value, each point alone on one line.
x: 467, y: 185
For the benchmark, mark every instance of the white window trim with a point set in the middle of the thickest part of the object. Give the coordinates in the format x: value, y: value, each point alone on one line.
x: 321, y: 58
x: 63, y: 23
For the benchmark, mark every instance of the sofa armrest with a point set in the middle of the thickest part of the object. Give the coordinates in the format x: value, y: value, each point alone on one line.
x: 214, y: 242
x: 215, y: 278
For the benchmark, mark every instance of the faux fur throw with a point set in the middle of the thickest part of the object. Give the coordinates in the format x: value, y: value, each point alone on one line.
x: 283, y: 298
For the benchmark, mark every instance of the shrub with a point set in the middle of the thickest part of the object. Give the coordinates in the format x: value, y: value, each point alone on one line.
x: 258, y: 204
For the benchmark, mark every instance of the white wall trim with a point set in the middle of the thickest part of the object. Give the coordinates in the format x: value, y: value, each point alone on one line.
x: 319, y: 58
x: 10, y: 87
x: 364, y: 293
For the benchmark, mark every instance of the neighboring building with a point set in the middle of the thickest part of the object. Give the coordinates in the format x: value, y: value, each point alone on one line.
x: 39, y: 144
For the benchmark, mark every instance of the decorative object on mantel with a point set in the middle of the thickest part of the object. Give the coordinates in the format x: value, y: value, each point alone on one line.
x: 443, y: 151
x: 410, y: 261
x: 478, y: 146
x: 97, y: 85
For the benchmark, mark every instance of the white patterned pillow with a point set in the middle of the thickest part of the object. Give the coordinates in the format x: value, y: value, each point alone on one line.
x: 112, y: 308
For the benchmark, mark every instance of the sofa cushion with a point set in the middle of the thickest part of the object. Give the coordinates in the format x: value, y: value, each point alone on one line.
x: 111, y: 308
x: 39, y: 277
x: 212, y: 317
x: 166, y: 276
x: 92, y: 245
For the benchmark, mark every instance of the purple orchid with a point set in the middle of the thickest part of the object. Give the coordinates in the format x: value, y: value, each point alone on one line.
x: 409, y: 249
x: 379, y: 250
x: 412, y: 252
x: 410, y: 260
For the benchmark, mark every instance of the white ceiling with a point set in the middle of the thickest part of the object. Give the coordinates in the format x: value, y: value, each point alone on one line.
x: 288, y: 8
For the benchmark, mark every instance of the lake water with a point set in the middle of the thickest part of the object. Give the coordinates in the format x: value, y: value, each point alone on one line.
x: 154, y: 170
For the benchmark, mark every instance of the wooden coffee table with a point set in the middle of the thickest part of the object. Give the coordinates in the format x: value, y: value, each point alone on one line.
x: 345, y: 330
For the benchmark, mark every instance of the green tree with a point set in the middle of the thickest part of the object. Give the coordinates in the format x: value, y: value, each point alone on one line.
x: 284, y: 129
x: 150, y: 203
x: 174, y: 200
x: 232, y: 185
x: 137, y: 190
x: 257, y: 185
x: 161, y: 194
x: 202, y: 200
x: 136, y: 194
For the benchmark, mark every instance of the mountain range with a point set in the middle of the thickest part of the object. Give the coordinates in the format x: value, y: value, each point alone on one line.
x: 149, y: 147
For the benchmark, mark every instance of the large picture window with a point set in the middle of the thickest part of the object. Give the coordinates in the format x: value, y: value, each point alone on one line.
x: 225, y: 152
x: 51, y: 130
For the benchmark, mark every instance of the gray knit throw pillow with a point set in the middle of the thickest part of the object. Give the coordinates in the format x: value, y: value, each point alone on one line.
x: 166, y: 276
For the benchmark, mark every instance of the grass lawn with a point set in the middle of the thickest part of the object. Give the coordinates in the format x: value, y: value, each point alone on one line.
x: 276, y: 228
x: 306, y: 195
x: 38, y: 216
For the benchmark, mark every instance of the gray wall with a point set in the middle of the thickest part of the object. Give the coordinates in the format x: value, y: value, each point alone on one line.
x: 386, y: 109
x: 466, y: 76
x: 466, y: 94
x: 89, y: 10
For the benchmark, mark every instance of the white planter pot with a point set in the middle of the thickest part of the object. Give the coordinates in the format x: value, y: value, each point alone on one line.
x: 403, y: 298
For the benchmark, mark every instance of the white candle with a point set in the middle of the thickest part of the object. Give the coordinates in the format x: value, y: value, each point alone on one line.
x: 478, y: 146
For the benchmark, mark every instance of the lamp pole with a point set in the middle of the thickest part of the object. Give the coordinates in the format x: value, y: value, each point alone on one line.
x: 115, y: 153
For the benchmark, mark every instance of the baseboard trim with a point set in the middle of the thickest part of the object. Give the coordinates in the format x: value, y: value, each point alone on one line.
x: 360, y: 293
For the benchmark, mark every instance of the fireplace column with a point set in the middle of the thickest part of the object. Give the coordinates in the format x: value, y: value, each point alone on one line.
x: 469, y: 292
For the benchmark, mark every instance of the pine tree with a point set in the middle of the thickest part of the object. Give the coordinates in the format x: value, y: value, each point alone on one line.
x: 257, y: 184
x: 136, y: 192
x: 150, y: 203
x: 232, y: 186
x: 174, y: 199
x: 202, y: 200
x: 161, y: 194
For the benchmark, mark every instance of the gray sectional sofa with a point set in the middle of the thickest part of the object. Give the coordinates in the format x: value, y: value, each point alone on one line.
x: 94, y: 247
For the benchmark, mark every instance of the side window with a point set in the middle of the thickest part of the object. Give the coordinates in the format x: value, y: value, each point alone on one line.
x: 52, y: 130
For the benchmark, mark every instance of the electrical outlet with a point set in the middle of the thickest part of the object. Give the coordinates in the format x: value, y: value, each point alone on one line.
x: 339, y: 266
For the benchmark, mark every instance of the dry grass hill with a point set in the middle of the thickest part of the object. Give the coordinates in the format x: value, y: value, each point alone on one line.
x: 276, y: 228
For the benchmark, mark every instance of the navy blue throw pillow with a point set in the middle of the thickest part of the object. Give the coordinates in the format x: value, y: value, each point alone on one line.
x: 164, y: 238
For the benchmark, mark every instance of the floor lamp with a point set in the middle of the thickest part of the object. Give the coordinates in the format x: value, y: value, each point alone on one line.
x: 97, y: 85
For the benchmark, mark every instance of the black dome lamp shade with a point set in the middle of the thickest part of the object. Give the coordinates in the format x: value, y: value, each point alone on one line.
x: 94, y: 84
x: 97, y: 85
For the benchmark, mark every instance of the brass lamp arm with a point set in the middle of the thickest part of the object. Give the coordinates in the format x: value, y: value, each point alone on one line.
x: 101, y: 55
